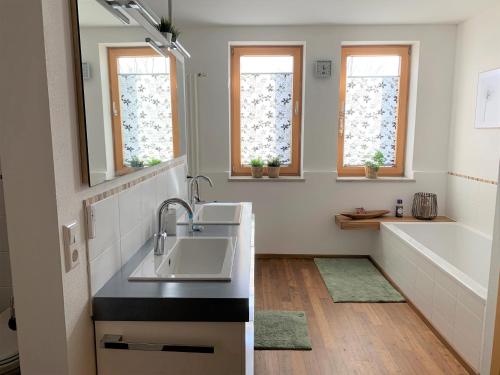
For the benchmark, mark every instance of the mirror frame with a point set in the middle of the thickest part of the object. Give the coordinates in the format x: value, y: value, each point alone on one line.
x: 80, y: 98
x: 79, y: 93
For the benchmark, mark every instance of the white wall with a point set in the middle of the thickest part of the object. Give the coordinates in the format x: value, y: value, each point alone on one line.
x: 476, y: 152
x: 30, y: 191
x: 298, y: 217
x: 39, y: 149
x: 70, y: 191
x: 491, y: 302
x: 473, y: 152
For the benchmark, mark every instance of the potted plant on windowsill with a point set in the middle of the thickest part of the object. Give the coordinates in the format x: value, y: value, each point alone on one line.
x: 135, y: 162
x: 257, y: 166
x: 153, y: 162
x: 373, y: 165
x: 167, y: 29
x: 273, y: 167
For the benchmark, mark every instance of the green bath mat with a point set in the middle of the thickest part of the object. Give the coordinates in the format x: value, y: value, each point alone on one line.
x: 281, y: 330
x: 356, y: 280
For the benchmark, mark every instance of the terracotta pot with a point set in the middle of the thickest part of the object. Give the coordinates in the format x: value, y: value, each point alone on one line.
x: 257, y: 172
x: 273, y: 172
x: 370, y: 172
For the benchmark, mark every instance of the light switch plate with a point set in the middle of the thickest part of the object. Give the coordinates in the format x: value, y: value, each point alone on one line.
x: 90, y: 217
x: 71, y: 239
x: 323, y: 69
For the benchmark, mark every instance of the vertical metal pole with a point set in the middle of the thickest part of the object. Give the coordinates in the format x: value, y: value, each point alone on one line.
x: 170, y: 11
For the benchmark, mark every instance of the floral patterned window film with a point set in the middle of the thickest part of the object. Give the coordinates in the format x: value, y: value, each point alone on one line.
x: 266, y: 112
x: 143, y: 108
x: 371, y: 108
x: 266, y: 107
x: 372, y: 86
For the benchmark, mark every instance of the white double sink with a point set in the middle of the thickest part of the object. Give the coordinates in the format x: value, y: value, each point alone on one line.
x: 191, y: 258
x: 215, y: 214
x: 195, y: 258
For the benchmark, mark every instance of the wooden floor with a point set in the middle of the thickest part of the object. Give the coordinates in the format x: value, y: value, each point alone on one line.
x: 347, y: 338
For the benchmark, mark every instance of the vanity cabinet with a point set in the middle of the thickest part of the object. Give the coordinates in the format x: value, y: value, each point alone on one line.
x: 180, y: 328
x: 178, y: 348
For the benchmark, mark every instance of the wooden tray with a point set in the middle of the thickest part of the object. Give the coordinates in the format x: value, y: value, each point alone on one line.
x: 367, y: 215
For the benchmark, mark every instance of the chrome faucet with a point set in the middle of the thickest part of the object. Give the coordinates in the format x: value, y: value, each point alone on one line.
x: 194, y: 188
x: 161, y: 235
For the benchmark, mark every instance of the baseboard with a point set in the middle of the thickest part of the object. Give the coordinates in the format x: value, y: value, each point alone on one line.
x: 440, y: 337
x: 307, y: 256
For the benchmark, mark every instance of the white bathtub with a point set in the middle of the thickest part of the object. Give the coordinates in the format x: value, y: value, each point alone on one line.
x: 443, y: 270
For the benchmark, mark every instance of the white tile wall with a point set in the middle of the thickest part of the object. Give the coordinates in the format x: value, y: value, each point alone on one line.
x: 104, y: 248
x: 104, y: 266
x: 468, y: 334
x: 124, y: 222
x: 149, y: 204
x: 107, y: 227
x: 446, y: 325
x: 131, y: 241
x: 130, y: 205
x: 472, y: 203
x: 455, y: 311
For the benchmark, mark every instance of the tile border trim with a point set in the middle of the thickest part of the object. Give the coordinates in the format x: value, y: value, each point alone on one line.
x: 127, y: 185
x: 477, y: 179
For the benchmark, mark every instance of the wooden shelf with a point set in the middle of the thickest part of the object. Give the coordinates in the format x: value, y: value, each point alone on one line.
x: 347, y: 223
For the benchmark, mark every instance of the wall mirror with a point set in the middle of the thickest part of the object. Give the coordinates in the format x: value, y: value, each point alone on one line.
x: 132, y: 102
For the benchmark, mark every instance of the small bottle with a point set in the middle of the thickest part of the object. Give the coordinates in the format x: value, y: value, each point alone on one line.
x: 171, y: 217
x: 399, y: 208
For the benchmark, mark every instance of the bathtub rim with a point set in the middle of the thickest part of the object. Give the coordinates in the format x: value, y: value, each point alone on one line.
x: 461, y: 277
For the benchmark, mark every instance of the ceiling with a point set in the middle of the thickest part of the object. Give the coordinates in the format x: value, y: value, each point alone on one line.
x: 300, y: 12
x: 92, y: 14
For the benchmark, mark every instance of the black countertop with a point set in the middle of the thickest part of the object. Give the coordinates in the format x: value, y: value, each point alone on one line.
x: 210, y: 301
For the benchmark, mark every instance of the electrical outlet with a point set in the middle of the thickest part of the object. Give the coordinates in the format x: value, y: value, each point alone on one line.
x: 71, y: 238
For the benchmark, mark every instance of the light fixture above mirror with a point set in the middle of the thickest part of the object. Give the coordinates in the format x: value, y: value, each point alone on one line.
x: 145, y: 17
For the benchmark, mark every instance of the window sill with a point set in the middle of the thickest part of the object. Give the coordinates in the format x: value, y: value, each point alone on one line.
x: 379, y: 179
x: 266, y: 179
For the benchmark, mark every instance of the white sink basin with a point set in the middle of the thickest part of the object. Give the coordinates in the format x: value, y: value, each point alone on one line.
x: 191, y: 258
x: 215, y: 214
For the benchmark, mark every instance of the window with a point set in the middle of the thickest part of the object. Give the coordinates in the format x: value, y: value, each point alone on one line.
x: 373, y: 108
x: 144, y: 106
x: 266, y: 106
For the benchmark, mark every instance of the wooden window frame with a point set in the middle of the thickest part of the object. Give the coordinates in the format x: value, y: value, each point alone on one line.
x: 114, y: 53
x: 404, y: 51
x: 296, y: 51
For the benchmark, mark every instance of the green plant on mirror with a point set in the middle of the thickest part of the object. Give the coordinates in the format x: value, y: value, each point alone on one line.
x: 154, y: 162
x: 372, y: 166
x: 135, y: 162
x: 165, y: 26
